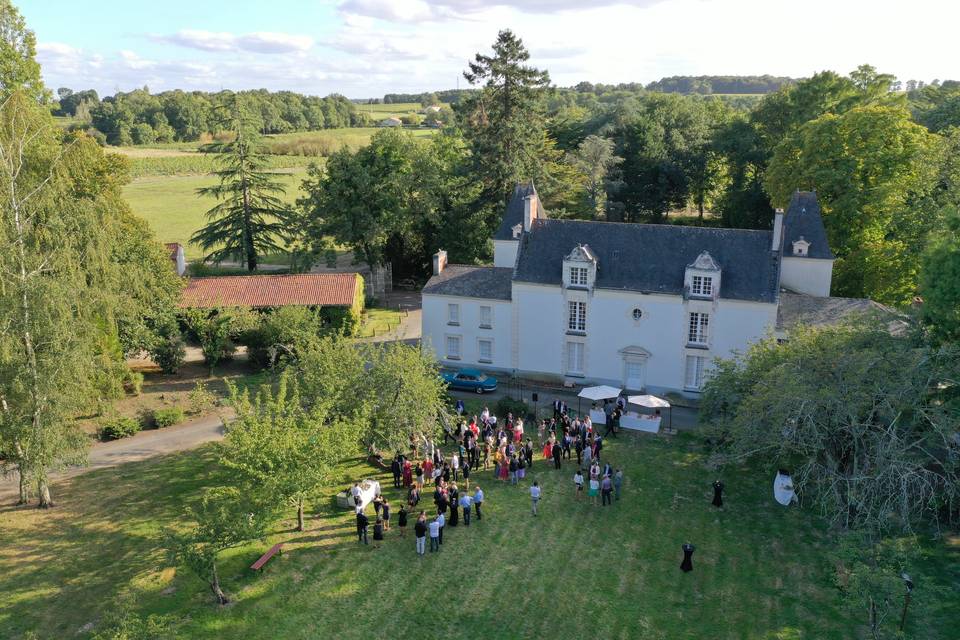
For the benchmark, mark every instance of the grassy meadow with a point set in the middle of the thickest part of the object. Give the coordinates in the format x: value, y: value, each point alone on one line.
x: 576, y: 571
x: 174, y: 210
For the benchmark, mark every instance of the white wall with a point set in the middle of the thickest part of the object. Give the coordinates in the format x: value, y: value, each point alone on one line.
x: 806, y: 275
x: 435, y: 330
x: 505, y: 253
x: 662, y: 331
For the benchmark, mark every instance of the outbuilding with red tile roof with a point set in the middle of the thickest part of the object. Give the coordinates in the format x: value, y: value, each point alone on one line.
x: 269, y: 291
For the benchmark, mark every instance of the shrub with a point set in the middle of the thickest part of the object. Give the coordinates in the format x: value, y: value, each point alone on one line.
x: 133, y: 382
x: 201, y: 398
x: 168, y: 417
x: 118, y: 427
x: 507, y: 405
x: 169, y: 351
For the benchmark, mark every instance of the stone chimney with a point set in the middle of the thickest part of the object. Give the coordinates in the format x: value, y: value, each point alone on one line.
x: 777, y: 230
x: 531, y: 210
x: 439, y: 262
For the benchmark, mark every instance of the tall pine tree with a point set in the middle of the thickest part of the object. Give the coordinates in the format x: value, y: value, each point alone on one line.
x: 249, y: 219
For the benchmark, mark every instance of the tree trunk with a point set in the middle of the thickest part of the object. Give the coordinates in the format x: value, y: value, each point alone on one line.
x: 700, y: 210
x: 215, y: 587
x: 300, y: 514
x: 24, y: 487
x: 44, y: 490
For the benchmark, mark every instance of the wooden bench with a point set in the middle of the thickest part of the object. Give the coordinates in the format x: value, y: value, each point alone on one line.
x: 265, y: 558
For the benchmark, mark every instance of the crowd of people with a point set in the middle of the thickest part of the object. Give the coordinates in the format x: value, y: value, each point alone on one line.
x: 479, y: 443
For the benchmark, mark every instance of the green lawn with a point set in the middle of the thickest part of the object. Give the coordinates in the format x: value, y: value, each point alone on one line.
x: 174, y: 210
x: 577, y: 571
x: 378, y: 321
x: 324, y: 142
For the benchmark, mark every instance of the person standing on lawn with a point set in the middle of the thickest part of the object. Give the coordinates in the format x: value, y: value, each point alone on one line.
x: 418, y: 472
x: 435, y: 535
x: 521, y: 467
x: 512, y: 467
x: 466, y: 502
x: 442, y: 521
x: 606, y: 489
x: 407, y: 473
x: 385, y: 514
x: 378, y: 532
x: 402, y: 521
x: 454, y: 495
x: 535, y: 496
x: 478, y: 501
x: 362, y: 523
x: 617, y: 483
x: 528, y: 453
x: 578, y: 482
x: 455, y: 466
x: 466, y: 476
x: 557, y: 452
x: 420, y: 531
x: 396, y: 469
x: 594, y: 490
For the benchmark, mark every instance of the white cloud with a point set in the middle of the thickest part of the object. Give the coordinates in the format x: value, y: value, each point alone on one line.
x: 258, y: 42
x: 418, y: 10
x: 367, y: 56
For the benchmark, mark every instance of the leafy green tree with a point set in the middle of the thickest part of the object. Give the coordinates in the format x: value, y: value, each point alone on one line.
x: 940, y: 282
x: 595, y: 159
x: 362, y: 198
x: 864, y: 420
x: 19, y: 69
x: 218, y: 330
x: 225, y: 518
x: 405, y: 394
x: 870, y: 167
x: 282, y: 449
x: 503, y: 123
x: 250, y: 218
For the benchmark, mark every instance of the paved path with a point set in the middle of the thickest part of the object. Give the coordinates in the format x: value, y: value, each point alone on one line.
x: 145, y: 444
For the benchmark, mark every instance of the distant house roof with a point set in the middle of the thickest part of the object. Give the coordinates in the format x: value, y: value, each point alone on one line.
x: 471, y: 282
x: 803, y: 220
x: 652, y: 258
x: 514, y: 212
x: 308, y: 289
x: 797, y: 309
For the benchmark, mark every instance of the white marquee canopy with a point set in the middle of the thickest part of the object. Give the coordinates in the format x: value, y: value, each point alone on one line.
x: 652, y: 402
x: 603, y: 392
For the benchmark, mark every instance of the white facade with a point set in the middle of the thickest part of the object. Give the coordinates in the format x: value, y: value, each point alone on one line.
x: 480, y: 327
x: 806, y: 275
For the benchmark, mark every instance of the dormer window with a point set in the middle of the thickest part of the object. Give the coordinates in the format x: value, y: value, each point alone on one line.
x: 578, y: 276
x: 801, y: 247
x: 702, y: 279
x: 701, y: 286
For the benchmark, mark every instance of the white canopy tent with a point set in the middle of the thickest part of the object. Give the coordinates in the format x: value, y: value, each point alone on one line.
x: 593, y: 394
x: 651, y: 402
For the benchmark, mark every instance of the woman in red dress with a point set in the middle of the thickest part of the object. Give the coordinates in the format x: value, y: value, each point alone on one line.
x: 548, y: 449
x: 407, y: 473
x: 428, y: 469
x: 504, y: 464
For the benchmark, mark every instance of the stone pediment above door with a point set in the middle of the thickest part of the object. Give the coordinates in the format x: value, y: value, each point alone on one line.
x: 634, y: 353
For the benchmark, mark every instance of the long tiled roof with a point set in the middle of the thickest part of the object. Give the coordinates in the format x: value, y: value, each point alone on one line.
x: 308, y: 289
x: 652, y: 257
x: 803, y: 219
x: 471, y: 282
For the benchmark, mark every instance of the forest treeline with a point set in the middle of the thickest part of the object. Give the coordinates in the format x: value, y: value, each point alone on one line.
x: 141, y: 117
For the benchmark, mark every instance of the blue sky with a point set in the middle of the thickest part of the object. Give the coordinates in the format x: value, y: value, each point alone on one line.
x: 365, y: 48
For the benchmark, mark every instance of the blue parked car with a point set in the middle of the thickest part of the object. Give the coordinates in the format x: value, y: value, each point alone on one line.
x: 470, y: 380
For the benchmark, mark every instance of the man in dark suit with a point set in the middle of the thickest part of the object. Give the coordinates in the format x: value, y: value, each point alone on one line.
x: 557, y: 409
x: 362, y: 523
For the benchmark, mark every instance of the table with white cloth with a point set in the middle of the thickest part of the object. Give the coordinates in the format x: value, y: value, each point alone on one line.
x: 597, y: 416
x: 640, y: 422
x: 369, y: 489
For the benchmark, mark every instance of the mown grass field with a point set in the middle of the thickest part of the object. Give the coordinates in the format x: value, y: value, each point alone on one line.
x: 325, y: 142
x: 576, y: 571
x: 174, y: 210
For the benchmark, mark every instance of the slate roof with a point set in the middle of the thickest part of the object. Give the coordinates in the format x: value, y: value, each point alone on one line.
x: 803, y: 218
x: 652, y: 257
x: 308, y: 289
x: 514, y: 211
x: 801, y: 309
x: 471, y: 281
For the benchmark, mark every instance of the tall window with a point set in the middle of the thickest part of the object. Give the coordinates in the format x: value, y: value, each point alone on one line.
x: 575, y: 357
x: 697, y: 332
x: 577, y: 320
x: 693, y: 378
x: 486, y: 350
x: 453, y: 347
x: 701, y: 286
x: 486, y: 317
x: 578, y: 276
x: 453, y: 314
